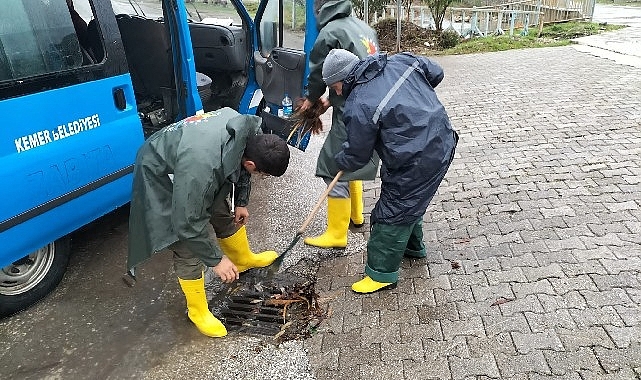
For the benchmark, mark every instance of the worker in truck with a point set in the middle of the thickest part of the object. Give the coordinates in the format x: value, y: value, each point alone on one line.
x: 194, y: 176
x: 391, y: 108
x: 338, y: 29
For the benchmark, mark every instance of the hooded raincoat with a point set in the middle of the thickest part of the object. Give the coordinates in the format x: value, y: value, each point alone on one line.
x: 203, y: 154
x: 338, y: 30
x: 391, y: 108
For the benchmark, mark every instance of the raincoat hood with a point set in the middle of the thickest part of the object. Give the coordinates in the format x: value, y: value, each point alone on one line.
x: 239, y: 129
x: 364, y: 71
x: 331, y: 10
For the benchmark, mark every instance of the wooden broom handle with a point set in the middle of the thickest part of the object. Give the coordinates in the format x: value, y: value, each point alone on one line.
x: 319, y: 203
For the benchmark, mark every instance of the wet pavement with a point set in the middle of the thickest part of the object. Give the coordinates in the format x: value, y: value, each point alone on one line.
x: 622, y: 46
x: 95, y: 327
x: 533, y: 268
x: 534, y: 255
x: 534, y: 263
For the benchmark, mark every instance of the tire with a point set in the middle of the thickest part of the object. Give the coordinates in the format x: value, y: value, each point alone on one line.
x: 28, y: 280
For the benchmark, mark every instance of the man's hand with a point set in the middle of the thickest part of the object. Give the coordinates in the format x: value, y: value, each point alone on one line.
x: 325, y: 102
x: 226, y: 270
x: 310, y: 113
x: 240, y: 215
x: 305, y: 105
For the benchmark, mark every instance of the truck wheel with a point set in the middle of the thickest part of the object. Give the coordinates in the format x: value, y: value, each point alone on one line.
x: 31, y: 278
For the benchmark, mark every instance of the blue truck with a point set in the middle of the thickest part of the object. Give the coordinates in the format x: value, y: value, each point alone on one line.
x: 84, y: 82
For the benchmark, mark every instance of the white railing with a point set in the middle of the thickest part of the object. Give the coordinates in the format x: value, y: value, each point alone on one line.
x: 498, y: 18
x: 470, y: 22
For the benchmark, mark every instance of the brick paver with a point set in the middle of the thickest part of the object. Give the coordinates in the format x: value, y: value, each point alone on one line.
x: 534, y: 263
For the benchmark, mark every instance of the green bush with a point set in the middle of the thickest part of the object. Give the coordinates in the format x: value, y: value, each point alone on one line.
x: 299, y: 16
x: 448, y: 39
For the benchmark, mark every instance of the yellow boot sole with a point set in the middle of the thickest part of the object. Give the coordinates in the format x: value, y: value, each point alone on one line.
x: 210, y: 326
x: 367, y: 285
x: 323, y: 241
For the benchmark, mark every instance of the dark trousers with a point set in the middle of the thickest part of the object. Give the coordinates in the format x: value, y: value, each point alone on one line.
x: 221, y: 224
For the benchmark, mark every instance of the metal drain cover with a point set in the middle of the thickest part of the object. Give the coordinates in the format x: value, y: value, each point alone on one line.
x: 249, y: 313
x: 284, y: 306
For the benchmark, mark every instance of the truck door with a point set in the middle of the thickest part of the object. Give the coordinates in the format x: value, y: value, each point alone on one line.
x: 285, y: 32
x: 252, y: 60
x: 69, y: 135
x: 279, y: 54
x: 72, y: 121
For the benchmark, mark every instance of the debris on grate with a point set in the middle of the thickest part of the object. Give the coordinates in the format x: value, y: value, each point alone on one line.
x: 286, y: 313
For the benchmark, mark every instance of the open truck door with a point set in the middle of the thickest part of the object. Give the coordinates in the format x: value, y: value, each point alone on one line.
x: 281, y: 67
x: 254, y: 62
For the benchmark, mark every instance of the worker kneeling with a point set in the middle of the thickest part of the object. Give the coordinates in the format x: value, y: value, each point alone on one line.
x: 193, y: 177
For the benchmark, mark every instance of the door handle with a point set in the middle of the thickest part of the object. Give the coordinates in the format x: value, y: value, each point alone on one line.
x: 119, y: 99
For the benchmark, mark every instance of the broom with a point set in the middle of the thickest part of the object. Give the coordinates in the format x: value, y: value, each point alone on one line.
x: 275, y: 266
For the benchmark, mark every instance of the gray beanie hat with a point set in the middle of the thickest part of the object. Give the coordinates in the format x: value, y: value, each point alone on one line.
x: 338, y: 63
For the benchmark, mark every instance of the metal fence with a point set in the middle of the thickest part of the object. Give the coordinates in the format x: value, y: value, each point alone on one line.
x: 484, y: 22
x: 497, y: 17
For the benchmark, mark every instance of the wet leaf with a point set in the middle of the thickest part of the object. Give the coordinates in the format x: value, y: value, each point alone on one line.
x: 501, y: 301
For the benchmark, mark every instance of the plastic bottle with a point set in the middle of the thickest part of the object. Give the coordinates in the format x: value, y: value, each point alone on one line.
x: 287, y: 106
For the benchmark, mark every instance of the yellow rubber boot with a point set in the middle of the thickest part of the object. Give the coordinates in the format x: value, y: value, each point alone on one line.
x: 338, y: 211
x: 236, y: 248
x: 356, y: 196
x: 367, y: 285
x: 198, y: 310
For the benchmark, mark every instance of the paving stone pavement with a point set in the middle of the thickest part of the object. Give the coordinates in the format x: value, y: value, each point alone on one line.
x: 534, y: 238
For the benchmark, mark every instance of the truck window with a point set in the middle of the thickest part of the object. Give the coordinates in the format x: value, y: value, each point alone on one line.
x: 293, y: 24
x: 268, y: 28
x: 36, y: 38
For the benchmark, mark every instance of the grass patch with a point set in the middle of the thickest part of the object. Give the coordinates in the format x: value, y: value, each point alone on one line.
x: 552, y: 35
x: 632, y: 3
x: 569, y: 30
x: 501, y: 43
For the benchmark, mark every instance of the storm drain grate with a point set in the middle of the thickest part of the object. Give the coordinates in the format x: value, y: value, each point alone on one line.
x: 284, y: 311
x: 249, y: 313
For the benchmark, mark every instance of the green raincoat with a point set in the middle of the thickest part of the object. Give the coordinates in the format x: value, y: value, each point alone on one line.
x: 338, y: 30
x: 203, y: 153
